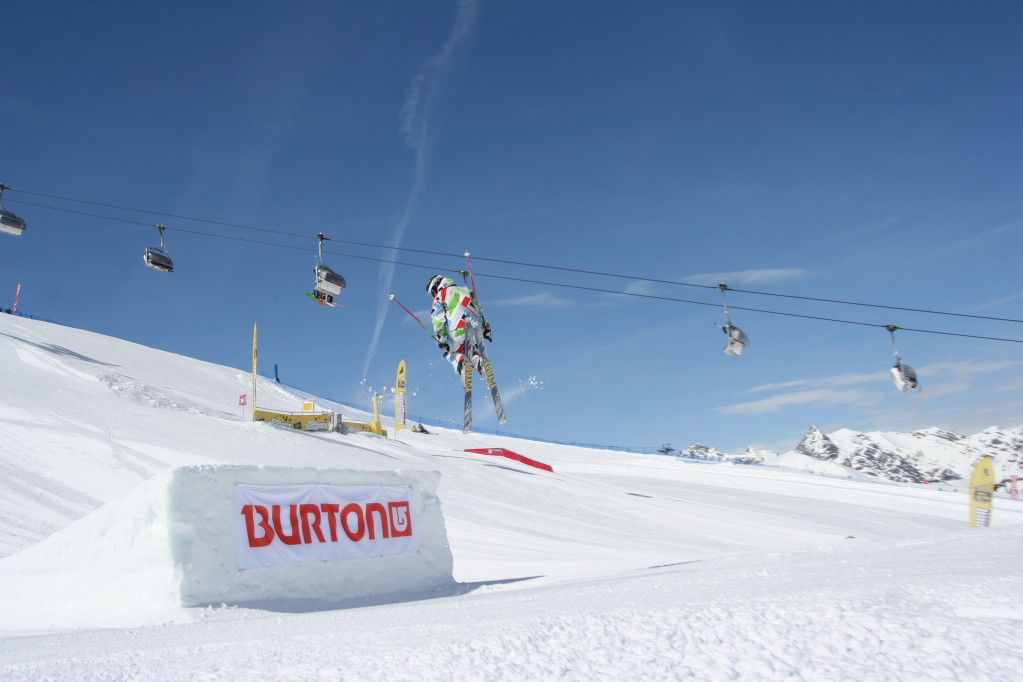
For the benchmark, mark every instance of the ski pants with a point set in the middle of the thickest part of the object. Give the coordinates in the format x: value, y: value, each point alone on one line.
x: 467, y: 332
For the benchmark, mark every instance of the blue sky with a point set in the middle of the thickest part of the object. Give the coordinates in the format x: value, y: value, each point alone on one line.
x: 845, y: 151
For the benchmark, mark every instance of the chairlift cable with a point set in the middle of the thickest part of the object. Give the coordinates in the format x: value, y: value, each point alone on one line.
x: 499, y: 260
x: 540, y: 282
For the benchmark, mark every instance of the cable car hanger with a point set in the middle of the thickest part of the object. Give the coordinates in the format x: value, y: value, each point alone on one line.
x: 9, y: 223
x: 903, y: 375
x: 329, y: 284
x: 737, y: 339
x: 157, y: 257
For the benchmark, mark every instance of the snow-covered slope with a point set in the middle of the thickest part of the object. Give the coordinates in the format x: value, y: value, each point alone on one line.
x: 614, y: 566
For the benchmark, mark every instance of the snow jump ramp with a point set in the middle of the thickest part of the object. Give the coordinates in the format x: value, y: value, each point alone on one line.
x: 246, y: 535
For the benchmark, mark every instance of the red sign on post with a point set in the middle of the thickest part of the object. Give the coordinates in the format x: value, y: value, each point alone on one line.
x: 243, y: 399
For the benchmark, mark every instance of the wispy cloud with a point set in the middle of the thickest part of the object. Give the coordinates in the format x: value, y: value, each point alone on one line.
x: 955, y: 376
x: 545, y: 301
x: 583, y: 356
x: 832, y: 381
x: 641, y: 287
x: 420, y: 125
x: 744, y: 277
x: 423, y: 315
x: 820, y: 396
x: 881, y: 225
x: 995, y: 302
x: 955, y: 247
x: 937, y: 379
x: 777, y: 387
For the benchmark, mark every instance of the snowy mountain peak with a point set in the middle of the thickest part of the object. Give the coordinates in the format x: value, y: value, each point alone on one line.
x: 754, y: 455
x: 931, y: 454
x: 701, y: 451
x: 935, y: 432
x: 816, y: 444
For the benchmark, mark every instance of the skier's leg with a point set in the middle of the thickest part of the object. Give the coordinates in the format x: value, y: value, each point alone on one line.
x: 474, y: 335
x: 457, y: 357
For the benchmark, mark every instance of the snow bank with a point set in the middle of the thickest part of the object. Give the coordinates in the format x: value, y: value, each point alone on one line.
x: 171, y: 543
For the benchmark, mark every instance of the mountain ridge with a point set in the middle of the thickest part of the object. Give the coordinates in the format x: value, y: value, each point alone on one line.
x: 927, y: 455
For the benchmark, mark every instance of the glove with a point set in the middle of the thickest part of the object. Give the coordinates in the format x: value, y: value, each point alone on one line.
x: 487, y: 335
x: 444, y: 347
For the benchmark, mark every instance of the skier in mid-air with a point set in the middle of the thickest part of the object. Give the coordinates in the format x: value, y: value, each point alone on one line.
x: 453, y: 307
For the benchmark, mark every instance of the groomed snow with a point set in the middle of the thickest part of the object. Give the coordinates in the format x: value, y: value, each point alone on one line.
x: 613, y: 567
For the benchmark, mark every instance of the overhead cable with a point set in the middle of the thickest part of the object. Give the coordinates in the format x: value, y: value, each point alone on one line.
x: 504, y: 261
x: 520, y: 279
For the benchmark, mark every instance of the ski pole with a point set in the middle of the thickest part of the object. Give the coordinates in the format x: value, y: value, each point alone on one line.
x: 472, y: 277
x: 471, y: 283
x: 412, y: 314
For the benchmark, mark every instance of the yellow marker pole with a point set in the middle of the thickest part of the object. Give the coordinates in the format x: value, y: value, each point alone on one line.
x: 982, y: 492
x: 254, y: 356
x: 400, y: 399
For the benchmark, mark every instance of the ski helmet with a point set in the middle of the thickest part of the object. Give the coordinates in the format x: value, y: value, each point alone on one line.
x: 433, y: 286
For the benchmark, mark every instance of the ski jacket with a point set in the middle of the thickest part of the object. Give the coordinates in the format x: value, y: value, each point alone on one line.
x: 451, y: 307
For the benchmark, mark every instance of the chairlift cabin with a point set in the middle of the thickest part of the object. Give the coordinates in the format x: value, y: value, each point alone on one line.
x: 903, y: 375
x: 737, y: 339
x: 329, y: 284
x: 9, y: 223
x: 157, y: 257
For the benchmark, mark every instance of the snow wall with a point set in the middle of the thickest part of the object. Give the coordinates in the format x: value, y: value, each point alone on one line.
x: 178, y: 539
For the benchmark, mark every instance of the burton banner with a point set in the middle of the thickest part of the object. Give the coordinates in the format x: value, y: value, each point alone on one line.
x: 298, y: 524
x: 982, y: 492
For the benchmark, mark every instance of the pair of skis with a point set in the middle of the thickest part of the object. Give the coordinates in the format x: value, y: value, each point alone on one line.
x: 474, y: 334
x: 474, y: 337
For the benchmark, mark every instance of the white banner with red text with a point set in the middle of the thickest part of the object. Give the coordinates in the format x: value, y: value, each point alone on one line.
x: 301, y: 524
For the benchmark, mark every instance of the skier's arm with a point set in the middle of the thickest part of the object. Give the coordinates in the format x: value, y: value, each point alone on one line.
x: 440, y: 325
x: 474, y: 306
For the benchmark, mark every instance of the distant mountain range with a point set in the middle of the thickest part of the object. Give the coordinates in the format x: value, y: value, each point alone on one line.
x: 929, y: 455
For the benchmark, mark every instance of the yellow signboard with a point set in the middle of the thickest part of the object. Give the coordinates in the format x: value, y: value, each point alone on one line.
x: 254, y: 328
x: 306, y: 421
x: 982, y: 492
x: 399, y: 399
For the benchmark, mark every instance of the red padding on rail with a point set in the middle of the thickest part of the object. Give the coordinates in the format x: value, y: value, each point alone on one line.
x: 501, y: 452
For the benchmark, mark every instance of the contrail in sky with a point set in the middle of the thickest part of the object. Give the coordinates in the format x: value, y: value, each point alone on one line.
x: 420, y: 124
